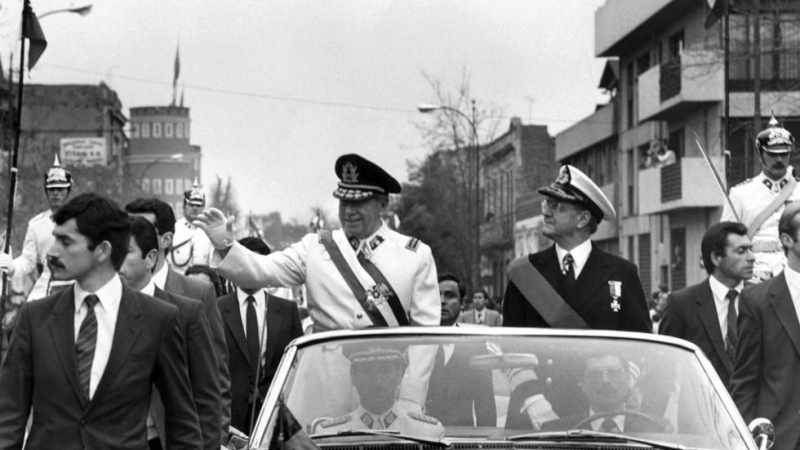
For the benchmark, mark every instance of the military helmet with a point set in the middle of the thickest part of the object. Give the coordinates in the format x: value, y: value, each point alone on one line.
x: 194, y: 196
x: 775, y: 139
x: 57, y: 177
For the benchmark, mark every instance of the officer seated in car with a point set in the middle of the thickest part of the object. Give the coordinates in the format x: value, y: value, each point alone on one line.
x: 376, y: 372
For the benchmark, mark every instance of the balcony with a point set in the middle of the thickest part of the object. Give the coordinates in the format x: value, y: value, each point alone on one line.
x: 685, y: 184
x: 673, y: 88
x: 622, y: 25
x: 586, y: 133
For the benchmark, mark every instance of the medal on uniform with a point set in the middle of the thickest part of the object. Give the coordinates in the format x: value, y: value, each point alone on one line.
x: 377, y: 296
x: 615, y: 289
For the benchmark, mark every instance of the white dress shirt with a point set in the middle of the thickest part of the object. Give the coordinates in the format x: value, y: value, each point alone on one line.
x: 106, y: 312
x: 160, y: 277
x: 721, y: 301
x: 580, y: 255
x: 793, y: 280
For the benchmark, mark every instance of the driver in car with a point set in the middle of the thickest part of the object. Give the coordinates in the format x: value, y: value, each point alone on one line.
x: 376, y: 373
x: 608, y: 385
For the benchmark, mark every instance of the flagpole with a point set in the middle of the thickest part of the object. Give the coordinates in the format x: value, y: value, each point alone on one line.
x: 13, y: 171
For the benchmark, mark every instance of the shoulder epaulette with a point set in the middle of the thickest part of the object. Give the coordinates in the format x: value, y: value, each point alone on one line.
x: 423, y: 418
x: 749, y: 180
x: 413, y: 244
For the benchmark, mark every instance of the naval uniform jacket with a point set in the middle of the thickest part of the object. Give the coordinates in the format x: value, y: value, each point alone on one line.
x: 591, y: 297
x: 406, y: 263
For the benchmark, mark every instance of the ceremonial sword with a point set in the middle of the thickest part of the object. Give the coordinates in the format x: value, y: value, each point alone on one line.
x: 720, y: 185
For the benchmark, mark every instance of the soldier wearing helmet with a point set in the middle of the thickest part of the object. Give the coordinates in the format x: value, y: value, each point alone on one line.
x: 190, y: 245
x: 39, y: 237
x: 759, y: 201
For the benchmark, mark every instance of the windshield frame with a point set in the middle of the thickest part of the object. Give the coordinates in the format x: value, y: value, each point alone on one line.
x: 262, y: 425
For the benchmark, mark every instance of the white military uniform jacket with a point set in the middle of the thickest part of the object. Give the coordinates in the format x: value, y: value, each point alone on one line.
x: 749, y: 198
x: 408, y: 423
x: 38, y: 240
x: 406, y: 263
x: 190, y: 246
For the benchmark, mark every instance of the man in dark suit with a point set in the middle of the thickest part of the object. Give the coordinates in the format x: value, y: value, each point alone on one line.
x: 607, y: 384
x: 705, y: 313
x: 604, y: 290
x: 161, y: 215
x: 241, y: 315
x: 136, y: 272
x: 85, y: 360
x: 764, y: 381
x: 456, y: 390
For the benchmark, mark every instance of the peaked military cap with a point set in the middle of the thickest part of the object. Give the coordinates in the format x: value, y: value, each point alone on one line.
x: 57, y: 177
x: 361, y: 179
x: 195, y: 196
x: 574, y: 186
x: 363, y: 352
x: 775, y: 138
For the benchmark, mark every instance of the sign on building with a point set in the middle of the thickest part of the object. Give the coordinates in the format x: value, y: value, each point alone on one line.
x: 83, y: 152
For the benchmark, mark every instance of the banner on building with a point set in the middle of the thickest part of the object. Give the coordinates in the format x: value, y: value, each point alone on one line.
x: 83, y: 152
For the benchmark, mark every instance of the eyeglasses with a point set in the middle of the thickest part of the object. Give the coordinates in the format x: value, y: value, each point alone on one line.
x: 550, y: 206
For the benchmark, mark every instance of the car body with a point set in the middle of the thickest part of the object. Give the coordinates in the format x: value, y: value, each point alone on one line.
x: 666, y: 392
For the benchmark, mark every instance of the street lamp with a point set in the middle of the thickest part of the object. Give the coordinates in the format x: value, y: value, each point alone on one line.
x: 427, y: 108
x: 82, y: 10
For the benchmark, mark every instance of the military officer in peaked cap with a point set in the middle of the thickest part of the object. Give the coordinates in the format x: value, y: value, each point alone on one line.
x: 759, y: 201
x: 190, y: 246
x: 571, y: 284
x: 359, y: 276
x: 39, y: 237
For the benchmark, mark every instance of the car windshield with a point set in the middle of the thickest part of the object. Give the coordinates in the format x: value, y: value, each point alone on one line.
x: 506, y: 388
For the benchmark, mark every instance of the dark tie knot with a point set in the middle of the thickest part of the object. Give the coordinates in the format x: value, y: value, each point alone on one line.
x: 251, y: 300
x: 732, y: 294
x: 91, y: 301
x: 568, y: 263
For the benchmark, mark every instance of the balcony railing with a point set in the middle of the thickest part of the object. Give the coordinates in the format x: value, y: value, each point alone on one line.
x: 671, y: 182
x: 686, y: 184
x: 670, y: 84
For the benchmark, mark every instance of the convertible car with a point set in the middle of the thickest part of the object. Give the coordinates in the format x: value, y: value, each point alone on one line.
x: 480, y: 387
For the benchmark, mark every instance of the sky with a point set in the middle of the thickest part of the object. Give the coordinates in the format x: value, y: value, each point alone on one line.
x: 278, y: 89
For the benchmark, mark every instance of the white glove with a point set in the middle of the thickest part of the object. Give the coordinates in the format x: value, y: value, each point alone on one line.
x: 7, y: 263
x: 539, y: 410
x: 218, y: 228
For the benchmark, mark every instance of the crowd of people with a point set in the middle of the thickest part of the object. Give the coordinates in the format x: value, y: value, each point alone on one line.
x: 147, y: 330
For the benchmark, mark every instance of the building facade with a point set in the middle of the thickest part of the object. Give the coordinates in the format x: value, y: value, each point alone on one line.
x: 513, y: 167
x: 669, y: 93
x: 160, y: 159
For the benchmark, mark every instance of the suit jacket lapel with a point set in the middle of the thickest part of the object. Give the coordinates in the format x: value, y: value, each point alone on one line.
x: 588, y: 282
x: 62, y: 330
x: 126, y: 331
x: 274, y: 314
x: 784, y: 308
x: 707, y: 312
x: 233, y: 320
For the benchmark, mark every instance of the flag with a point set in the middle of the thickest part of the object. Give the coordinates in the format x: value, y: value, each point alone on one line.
x: 718, y: 8
x: 177, y: 73
x: 34, y: 33
x: 288, y: 434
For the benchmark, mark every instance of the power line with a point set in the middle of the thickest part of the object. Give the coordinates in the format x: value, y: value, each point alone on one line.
x: 284, y: 98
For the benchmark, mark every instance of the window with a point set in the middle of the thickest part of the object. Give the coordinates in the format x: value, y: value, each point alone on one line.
x: 134, y: 130
x: 186, y: 131
x: 629, y: 95
x: 145, y: 129
x: 676, y: 143
x: 169, y: 186
x: 675, y: 46
x: 642, y: 63
x: 168, y: 129
x: 156, y: 186
x: 156, y: 129
x: 146, y: 185
x: 179, y: 186
x: 179, y: 130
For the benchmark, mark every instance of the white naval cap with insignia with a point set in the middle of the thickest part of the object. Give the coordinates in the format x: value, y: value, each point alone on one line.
x: 195, y: 196
x: 361, y: 179
x: 57, y: 177
x: 775, y: 138
x: 574, y: 186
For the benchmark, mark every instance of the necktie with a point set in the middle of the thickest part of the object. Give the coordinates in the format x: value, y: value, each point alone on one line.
x: 85, y: 345
x: 480, y: 318
x: 252, y: 337
x: 569, y: 273
x: 732, y: 337
x: 609, y: 426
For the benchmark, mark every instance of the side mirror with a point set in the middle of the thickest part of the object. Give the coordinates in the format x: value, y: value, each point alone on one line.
x: 763, y: 432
